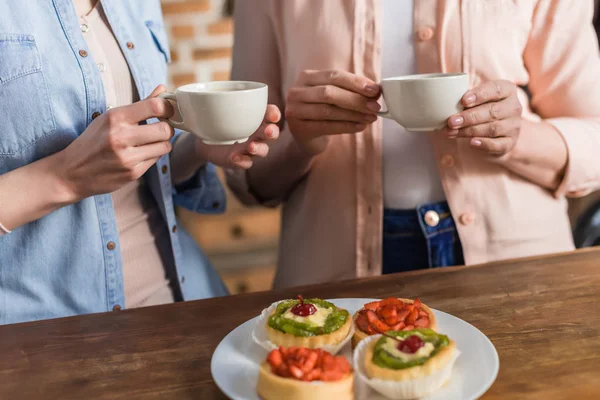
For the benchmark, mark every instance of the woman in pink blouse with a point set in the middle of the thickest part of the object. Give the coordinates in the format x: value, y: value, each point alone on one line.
x: 490, y: 186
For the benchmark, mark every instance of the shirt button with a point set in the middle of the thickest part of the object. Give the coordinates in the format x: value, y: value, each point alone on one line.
x: 116, y: 307
x: 130, y: 45
x: 447, y: 161
x: 96, y: 115
x: 467, y: 218
x: 174, y: 229
x: 425, y: 33
x: 111, y: 245
x: 84, y: 28
x: 182, y: 279
x: 83, y: 53
x: 101, y: 67
x: 431, y: 218
x: 164, y: 169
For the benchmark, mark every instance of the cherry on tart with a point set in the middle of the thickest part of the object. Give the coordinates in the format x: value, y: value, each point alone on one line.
x: 310, y: 323
x: 300, y: 373
x: 414, y: 363
x: 391, y: 314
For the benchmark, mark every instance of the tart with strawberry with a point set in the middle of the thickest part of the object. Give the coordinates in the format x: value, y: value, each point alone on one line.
x: 311, y: 323
x: 408, y: 364
x: 391, y: 314
x: 300, y: 373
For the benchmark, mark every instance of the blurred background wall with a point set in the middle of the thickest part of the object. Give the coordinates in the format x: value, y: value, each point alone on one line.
x: 242, y: 243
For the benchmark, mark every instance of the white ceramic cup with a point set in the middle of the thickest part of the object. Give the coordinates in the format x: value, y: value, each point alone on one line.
x: 423, y: 102
x: 223, y: 112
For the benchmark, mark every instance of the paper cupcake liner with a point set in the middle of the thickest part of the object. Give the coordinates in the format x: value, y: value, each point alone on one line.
x: 259, y: 333
x: 401, y: 390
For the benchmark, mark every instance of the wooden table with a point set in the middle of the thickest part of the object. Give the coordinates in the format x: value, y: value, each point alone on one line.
x: 542, y: 314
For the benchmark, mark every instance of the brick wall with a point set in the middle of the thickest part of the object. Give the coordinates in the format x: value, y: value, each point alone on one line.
x: 201, y: 36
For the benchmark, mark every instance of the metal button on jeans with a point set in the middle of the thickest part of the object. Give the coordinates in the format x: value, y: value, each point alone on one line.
x: 431, y: 218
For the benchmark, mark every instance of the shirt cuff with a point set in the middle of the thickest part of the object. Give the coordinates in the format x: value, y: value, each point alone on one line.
x: 202, y: 193
x: 582, y: 174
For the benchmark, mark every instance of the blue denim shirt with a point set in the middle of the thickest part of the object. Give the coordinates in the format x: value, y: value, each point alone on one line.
x: 62, y: 264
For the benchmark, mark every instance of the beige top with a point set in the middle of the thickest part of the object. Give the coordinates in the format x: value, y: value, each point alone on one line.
x: 143, y: 236
x: 333, y: 204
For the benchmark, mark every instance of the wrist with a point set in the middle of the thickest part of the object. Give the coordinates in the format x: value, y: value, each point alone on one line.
x: 63, y: 191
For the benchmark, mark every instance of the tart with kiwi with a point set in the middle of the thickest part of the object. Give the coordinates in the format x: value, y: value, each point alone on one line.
x: 300, y: 373
x: 311, y: 323
x: 408, y: 364
x: 391, y: 314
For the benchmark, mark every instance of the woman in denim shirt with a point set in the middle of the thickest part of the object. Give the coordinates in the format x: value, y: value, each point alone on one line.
x: 88, y: 177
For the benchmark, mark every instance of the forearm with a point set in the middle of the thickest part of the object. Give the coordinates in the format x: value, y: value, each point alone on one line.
x: 185, y: 160
x: 274, y: 176
x: 31, y: 192
x: 540, y: 155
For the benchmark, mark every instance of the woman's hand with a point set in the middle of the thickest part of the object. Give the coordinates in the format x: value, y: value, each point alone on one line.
x: 491, y: 118
x: 115, y: 149
x: 242, y: 155
x: 324, y: 103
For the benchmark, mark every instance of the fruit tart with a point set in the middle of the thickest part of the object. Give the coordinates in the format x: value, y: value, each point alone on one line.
x: 391, y: 314
x: 407, y: 364
x: 300, y: 373
x: 312, y: 323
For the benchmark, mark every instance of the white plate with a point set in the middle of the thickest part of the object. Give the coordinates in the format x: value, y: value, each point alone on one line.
x: 234, y: 364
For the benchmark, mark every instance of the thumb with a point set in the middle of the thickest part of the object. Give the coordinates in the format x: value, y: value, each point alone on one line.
x: 157, y: 90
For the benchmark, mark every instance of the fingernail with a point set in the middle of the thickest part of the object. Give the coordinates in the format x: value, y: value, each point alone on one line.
x: 370, y: 117
x: 361, y: 127
x: 475, y: 142
x: 270, y: 133
x: 372, y: 89
x: 452, y: 133
x: 470, y: 99
x: 236, y: 158
x: 373, y: 106
x: 456, y: 121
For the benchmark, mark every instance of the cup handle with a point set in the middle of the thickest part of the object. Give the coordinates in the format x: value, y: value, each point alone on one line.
x: 171, y: 97
x: 385, y: 114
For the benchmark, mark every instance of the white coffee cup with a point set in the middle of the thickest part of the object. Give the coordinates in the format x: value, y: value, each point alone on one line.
x: 221, y: 112
x: 424, y: 102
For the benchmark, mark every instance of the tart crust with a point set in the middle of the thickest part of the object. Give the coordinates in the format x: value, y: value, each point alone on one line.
x: 432, y: 365
x: 360, y: 335
x: 273, y: 387
x: 312, y: 342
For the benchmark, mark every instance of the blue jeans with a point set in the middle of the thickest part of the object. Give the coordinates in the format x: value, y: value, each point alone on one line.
x: 410, y: 244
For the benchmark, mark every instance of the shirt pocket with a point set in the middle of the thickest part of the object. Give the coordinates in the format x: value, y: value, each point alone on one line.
x: 157, y: 30
x: 25, y: 109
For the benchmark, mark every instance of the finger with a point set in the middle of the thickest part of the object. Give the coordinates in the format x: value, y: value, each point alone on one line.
x: 257, y: 149
x: 273, y: 114
x: 237, y: 160
x: 332, y: 127
x: 143, y: 166
x: 143, y: 110
x: 342, y: 79
x: 152, y: 150
x: 266, y: 132
x: 495, y: 147
x: 327, y: 112
x: 494, y: 129
x: 157, y: 90
x: 488, y: 91
x: 335, y: 96
x: 482, y: 114
x: 140, y: 135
